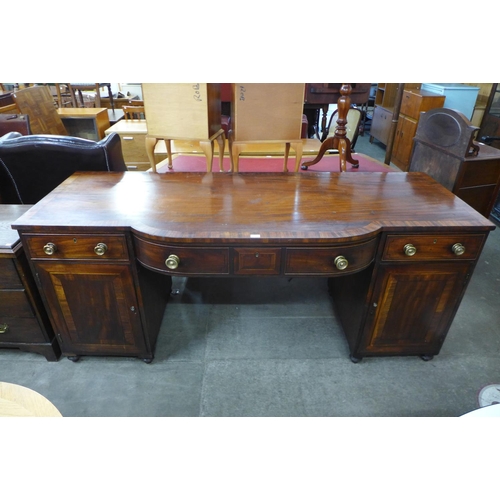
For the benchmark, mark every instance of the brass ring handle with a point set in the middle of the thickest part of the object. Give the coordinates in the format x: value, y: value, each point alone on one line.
x: 341, y: 262
x: 101, y: 249
x: 172, y: 262
x: 50, y: 249
x: 410, y: 250
x: 458, y: 249
x: 4, y: 328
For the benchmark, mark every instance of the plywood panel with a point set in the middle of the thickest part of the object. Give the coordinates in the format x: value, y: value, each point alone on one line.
x: 182, y: 110
x: 267, y: 111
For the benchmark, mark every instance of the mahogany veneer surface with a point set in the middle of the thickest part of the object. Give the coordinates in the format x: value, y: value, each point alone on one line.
x: 206, y: 207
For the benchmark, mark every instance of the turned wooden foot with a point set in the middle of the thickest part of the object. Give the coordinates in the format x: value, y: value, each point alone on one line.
x: 354, y: 359
x: 74, y: 358
x: 147, y: 360
x: 426, y: 357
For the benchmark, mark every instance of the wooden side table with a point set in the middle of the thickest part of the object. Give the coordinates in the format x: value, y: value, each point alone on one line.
x: 24, y: 324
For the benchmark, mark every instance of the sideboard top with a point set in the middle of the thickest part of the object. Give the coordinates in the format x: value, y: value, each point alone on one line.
x: 308, y: 207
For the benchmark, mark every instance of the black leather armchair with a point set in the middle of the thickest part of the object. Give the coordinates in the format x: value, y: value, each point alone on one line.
x: 31, y: 166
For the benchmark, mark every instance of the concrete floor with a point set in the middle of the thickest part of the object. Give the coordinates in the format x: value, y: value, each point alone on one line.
x: 273, y: 347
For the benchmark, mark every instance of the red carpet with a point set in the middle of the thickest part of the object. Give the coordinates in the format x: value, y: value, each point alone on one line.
x: 329, y: 163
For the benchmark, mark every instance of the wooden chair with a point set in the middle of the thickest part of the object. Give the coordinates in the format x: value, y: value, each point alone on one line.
x: 183, y: 111
x: 38, y: 104
x: 78, y: 87
x: 266, y: 112
x: 134, y: 110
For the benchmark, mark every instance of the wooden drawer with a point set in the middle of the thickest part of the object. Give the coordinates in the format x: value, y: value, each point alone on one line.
x: 15, y: 303
x: 257, y: 261
x: 191, y: 260
x: 74, y: 246
x: 432, y: 247
x: 134, y: 148
x: 322, y: 261
x: 26, y: 330
x: 9, y: 278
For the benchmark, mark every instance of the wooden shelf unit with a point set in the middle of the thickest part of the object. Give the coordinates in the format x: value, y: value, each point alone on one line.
x: 385, y: 99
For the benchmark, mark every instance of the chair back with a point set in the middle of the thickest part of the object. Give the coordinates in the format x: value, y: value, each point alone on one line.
x: 354, y: 116
x: 134, y: 110
x: 32, y: 166
x: 38, y: 104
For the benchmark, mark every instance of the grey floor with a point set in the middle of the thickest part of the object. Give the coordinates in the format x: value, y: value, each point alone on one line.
x: 273, y: 347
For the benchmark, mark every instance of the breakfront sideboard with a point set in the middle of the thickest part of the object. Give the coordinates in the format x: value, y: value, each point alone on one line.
x: 397, y: 249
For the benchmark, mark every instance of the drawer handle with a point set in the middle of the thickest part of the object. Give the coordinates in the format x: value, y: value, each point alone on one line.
x: 410, y: 250
x: 4, y: 328
x: 172, y: 262
x: 125, y: 138
x: 50, y: 249
x: 101, y: 249
x: 458, y: 249
x: 341, y: 262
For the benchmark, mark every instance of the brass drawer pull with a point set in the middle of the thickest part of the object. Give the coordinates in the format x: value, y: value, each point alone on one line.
x: 4, y: 328
x: 458, y: 249
x: 172, y: 262
x: 101, y: 249
x: 50, y: 249
x: 410, y: 250
x: 341, y: 262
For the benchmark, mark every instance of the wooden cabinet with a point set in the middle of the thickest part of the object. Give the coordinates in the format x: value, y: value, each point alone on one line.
x: 133, y: 138
x: 413, y: 103
x: 24, y: 324
x: 385, y: 100
x: 89, y: 285
x: 398, y: 249
x: 417, y: 286
x: 88, y: 123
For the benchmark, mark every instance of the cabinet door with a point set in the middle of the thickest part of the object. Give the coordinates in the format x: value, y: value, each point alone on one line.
x: 381, y: 124
x: 93, y: 308
x: 403, y: 142
x: 412, y: 308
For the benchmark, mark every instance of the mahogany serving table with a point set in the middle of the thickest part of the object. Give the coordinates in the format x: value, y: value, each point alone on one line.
x: 398, y: 249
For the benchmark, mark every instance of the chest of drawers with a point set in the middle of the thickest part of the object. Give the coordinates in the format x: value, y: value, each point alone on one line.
x: 24, y: 324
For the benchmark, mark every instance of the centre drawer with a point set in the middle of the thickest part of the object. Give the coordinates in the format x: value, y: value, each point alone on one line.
x: 75, y: 246
x: 330, y: 260
x: 410, y: 247
x: 182, y: 260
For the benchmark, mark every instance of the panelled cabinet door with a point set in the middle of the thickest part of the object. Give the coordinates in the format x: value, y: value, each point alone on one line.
x: 403, y: 142
x: 93, y: 307
x: 412, y: 308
